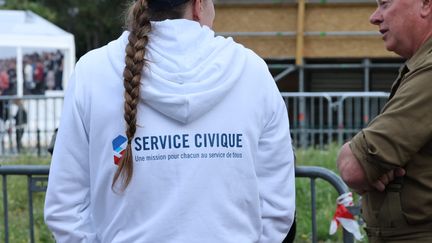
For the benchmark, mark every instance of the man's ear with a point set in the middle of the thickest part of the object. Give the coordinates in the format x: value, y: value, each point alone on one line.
x: 197, y: 10
x: 426, y: 8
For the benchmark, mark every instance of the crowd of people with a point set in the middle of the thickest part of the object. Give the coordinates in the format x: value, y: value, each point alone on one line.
x: 8, y: 77
x: 41, y: 72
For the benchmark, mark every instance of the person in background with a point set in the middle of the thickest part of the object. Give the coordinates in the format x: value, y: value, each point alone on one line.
x: 39, y: 78
x: 50, y: 79
x: 20, y: 123
x: 4, y: 79
x: 171, y: 134
x: 58, y: 76
x: 58, y: 69
x: 11, y: 72
x: 29, y: 83
x: 390, y: 161
x: 4, y: 117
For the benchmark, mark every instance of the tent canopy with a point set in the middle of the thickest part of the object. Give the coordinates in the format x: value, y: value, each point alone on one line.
x: 26, y: 31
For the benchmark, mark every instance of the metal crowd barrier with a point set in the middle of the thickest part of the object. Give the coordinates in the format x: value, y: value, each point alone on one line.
x: 319, y: 119
x: 43, y: 116
x: 37, y: 177
x: 313, y: 173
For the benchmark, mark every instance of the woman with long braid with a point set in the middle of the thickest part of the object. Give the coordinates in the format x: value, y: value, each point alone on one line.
x: 170, y: 134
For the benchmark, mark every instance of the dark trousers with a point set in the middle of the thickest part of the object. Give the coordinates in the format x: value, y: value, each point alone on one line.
x: 19, y: 132
x: 291, y: 234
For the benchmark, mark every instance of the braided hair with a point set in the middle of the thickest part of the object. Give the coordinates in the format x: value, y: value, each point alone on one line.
x: 139, y: 26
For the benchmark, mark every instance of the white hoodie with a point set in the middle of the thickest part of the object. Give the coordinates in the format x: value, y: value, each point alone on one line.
x: 213, y: 161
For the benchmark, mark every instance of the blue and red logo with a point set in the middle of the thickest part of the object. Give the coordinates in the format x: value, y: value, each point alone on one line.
x: 119, y: 148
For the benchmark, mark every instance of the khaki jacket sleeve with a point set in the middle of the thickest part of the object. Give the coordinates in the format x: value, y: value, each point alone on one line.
x: 401, y: 130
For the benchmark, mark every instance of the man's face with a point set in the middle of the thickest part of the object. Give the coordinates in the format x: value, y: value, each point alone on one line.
x: 396, y: 20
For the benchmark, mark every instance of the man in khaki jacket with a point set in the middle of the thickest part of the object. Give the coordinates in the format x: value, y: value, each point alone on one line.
x: 390, y: 161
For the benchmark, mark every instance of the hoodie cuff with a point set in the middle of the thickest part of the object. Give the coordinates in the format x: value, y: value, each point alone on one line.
x: 371, y: 166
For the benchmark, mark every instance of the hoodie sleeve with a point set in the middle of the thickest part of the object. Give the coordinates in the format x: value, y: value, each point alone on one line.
x: 67, y: 202
x: 275, y: 171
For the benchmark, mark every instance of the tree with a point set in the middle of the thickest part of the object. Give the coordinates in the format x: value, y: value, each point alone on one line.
x: 32, y: 6
x: 93, y: 23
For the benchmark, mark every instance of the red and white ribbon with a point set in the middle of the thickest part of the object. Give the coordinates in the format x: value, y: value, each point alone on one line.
x: 344, y: 217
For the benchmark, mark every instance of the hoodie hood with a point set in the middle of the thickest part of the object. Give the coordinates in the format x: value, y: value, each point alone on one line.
x: 188, y: 70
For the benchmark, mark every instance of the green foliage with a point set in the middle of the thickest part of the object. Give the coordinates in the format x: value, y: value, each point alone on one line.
x: 325, y: 196
x: 36, y: 7
x: 93, y: 23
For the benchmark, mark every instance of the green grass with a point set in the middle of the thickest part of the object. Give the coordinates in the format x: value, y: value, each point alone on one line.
x: 18, y: 208
x: 325, y: 199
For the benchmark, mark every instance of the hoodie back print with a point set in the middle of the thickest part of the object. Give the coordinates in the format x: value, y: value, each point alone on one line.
x: 212, y: 153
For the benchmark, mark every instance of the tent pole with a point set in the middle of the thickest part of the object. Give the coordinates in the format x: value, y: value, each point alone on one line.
x: 19, y: 72
x: 68, y: 63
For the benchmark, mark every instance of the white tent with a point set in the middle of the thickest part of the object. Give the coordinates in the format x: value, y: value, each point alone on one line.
x: 25, y: 30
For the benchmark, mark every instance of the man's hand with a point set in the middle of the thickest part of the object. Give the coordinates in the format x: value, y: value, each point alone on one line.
x: 388, y: 177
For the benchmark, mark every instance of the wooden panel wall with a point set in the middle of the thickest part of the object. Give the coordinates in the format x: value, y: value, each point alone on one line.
x: 318, y: 18
x: 245, y: 18
x: 342, y: 17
